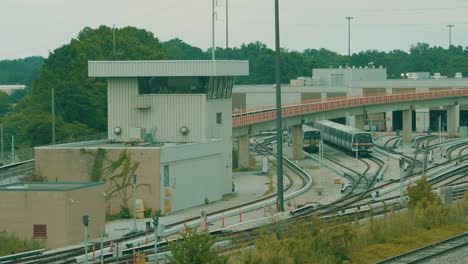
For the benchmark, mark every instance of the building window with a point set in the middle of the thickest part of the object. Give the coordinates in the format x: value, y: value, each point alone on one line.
x: 172, y: 85
x: 166, y: 175
x: 39, y: 231
x: 219, y: 118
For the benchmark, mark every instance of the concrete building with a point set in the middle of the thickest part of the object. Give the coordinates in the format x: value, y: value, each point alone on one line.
x: 9, y: 89
x: 52, y: 212
x: 337, y: 82
x: 169, y: 122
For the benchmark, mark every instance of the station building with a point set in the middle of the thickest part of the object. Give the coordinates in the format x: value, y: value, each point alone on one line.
x: 169, y: 123
x: 52, y: 212
x: 352, y: 81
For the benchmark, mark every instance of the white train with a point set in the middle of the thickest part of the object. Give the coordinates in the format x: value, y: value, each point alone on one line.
x: 347, y: 137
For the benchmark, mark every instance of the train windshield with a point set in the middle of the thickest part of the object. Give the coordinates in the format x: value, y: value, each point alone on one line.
x: 312, y: 134
x: 363, y: 138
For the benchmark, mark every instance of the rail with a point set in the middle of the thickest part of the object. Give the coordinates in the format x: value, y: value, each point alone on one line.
x: 263, y: 114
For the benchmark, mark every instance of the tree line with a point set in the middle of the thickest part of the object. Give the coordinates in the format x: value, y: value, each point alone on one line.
x: 81, y: 103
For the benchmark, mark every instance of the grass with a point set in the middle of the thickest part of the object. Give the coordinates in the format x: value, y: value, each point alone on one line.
x: 395, y: 246
x: 10, y: 243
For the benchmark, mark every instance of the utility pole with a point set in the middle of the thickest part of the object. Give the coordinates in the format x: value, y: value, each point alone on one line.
x: 213, y: 30
x: 227, y: 24
x: 349, y: 38
x: 113, y: 39
x: 53, y: 116
x: 450, y: 34
x: 279, y: 130
x: 134, y: 203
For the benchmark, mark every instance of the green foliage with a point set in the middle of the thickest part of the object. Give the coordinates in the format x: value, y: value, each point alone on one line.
x: 195, y: 248
x: 124, y: 212
x: 11, y: 243
x: 4, y: 103
x: 421, y: 194
x: 147, y: 212
x: 116, y: 173
x: 96, y: 171
x: 20, y: 71
x: 81, y: 103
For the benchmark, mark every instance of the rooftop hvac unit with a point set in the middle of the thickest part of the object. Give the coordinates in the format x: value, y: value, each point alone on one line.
x: 137, y: 133
x: 458, y: 75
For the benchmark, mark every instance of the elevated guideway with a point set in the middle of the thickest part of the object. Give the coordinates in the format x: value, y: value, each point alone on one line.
x: 251, y: 121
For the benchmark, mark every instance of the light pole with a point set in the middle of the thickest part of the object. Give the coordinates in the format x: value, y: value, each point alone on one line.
x: 349, y: 38
x: 134, y: 203
x: 279, y: 130
x: 213, y: 13
x: 53, y: 116
x: 450, y: 34
x: 227, y: 24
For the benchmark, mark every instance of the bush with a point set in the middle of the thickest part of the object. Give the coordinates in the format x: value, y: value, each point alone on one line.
x: 148, y: 212
x: 125, y: 212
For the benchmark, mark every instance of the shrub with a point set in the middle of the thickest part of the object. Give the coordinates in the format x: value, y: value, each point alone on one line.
x: 148, y: 212
x: 125, y: 212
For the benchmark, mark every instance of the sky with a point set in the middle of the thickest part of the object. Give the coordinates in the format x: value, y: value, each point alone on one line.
x: 37, y: 27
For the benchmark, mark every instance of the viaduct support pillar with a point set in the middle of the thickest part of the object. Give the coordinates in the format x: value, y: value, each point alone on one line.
x: 407, y: 126
x: 297, y: 142
x: 453, y: 115
x: 359, y: 122
x: 244, y: 157
x: 350, y: 120
x: 389, y: 121
x: 422, y: 119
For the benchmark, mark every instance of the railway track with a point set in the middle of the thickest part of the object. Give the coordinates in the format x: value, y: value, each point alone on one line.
x: 430, y: 251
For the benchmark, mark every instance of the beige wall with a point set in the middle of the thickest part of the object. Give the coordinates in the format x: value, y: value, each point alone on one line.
x: 72, y: 164
x: 61, y: 211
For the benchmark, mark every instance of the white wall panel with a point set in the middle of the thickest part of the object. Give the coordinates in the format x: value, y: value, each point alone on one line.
x: 167, y: 113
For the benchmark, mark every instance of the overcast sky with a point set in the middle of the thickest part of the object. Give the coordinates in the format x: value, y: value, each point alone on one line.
x: 35, y: 27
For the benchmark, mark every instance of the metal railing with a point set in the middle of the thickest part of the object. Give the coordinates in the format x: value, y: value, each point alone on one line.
x: 262, y: 114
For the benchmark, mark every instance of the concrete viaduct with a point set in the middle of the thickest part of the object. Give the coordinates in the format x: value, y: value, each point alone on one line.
x: 251, y: 121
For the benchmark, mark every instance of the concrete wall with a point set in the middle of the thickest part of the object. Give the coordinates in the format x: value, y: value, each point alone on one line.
x: 72, y: 164
x: 61, y: 211
x: 221, y: 131
x: 194, y: 172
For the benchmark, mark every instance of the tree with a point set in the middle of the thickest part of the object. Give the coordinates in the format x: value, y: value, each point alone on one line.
x: 195, y: 248
x: 420, y: 194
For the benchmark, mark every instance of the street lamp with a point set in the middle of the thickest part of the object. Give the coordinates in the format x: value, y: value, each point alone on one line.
x: 279, y: 130
x: 349, y: 38
x: 450, y: 34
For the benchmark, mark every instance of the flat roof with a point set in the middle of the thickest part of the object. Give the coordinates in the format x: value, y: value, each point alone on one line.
x: 168, y: 68
x: 109, y: 144
x: 47, y: 186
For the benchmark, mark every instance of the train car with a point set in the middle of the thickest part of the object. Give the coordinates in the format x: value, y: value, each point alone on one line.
x: 349, y: 138
x: 311, y: 138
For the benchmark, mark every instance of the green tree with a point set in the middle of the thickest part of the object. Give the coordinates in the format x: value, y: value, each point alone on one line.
x: 195, y: 248
x: 420, y: 194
